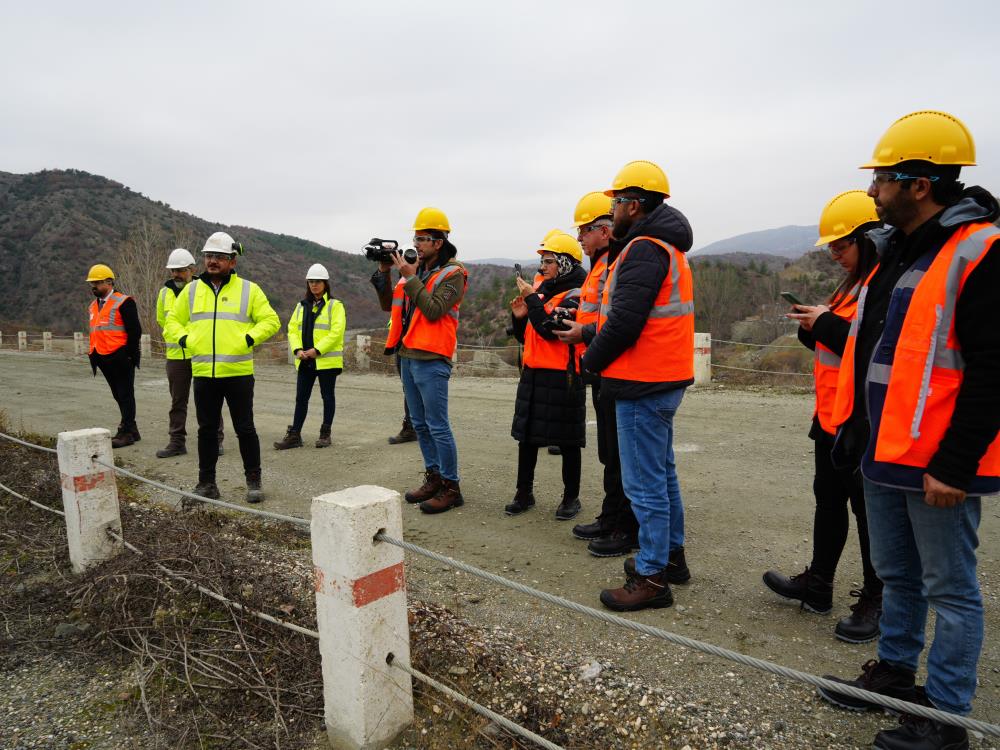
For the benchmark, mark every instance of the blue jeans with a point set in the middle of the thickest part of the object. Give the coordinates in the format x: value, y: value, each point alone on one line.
x: 649, y: 476
x: 926, y: 555
x: 425, y: 383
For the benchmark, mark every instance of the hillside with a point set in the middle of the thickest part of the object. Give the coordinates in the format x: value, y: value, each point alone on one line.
x: 788, y: 242
x: 56, y: 224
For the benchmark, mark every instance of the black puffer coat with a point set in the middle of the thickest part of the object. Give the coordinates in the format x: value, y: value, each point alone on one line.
x: 551, y: 405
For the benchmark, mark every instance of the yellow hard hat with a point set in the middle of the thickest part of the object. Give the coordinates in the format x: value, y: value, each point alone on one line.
x: 431, y: 218
x: 591, y: 207
x: 844, y: 214
x: 931, y: 136
x: 550, y: 234
x: 559, y: 242
x: 640, y: 174
x: 100, y: 272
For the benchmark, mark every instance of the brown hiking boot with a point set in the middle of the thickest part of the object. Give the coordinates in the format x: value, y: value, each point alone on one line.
x: 641, y: 592
x: 292, y: 439
x: 430, y: 487
x: 406, y: 435
x: 122, y: 438
x: 448, y: 497
x: 323, y: 441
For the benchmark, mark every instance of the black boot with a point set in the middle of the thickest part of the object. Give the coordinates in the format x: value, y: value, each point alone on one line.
x: 292, y: 439
x: 861, y: 626
x: 523, y: 501
x: 205, y: 488
x: 918, y: 733
x: 406, y: 435
x: 876, y: 677
x: 615, y: 544
x: 254, y: 492
x: 134, y: 431
x: 590, y: 531
x: 815, y: 592
x: 568, y: 508
x: 172, y: 449
x: 677, y: 568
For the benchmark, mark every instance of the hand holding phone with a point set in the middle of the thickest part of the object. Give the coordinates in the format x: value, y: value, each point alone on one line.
x: 517, y: 271
x: 791, y: 299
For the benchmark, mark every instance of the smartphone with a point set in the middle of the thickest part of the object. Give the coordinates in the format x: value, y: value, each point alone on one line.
x: 517, y: 271
x: 791, y: 298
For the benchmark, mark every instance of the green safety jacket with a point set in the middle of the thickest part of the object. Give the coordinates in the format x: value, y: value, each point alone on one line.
x: 164, y: 304
x: 213, y: 326
x: 328, y: 332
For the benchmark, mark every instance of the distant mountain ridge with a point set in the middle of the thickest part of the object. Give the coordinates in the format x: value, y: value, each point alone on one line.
x: 789, y: 242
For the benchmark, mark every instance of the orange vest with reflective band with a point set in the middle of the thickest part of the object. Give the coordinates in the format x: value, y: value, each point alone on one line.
x: 107, y: 333
x: 542, y: 354
x: 826, y: 366
x: 664, y: 351
x: 592, y: 290
x: 922, y: 381
x: 438, y: 336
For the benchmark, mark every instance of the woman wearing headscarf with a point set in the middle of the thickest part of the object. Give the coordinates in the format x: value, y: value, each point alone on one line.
x: 316, y: 338
x: 550, y: 409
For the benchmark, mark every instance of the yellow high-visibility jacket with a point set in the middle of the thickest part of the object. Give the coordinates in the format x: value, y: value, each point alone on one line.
x: 164, y: 304
x: 216, y: 325
x: 328, y: 332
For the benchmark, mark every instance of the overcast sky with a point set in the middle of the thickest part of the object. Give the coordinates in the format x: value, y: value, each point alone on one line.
x: 337, y: 121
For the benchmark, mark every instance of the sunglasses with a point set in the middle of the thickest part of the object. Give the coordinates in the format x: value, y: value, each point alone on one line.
x: 882, y: 178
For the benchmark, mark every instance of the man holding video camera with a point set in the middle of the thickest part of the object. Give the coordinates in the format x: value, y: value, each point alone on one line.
x: 423, y: 330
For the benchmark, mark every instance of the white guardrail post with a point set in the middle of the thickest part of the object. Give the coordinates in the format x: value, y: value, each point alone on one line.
x: 46, y: 341
x: 90, y: 497
x: 145, y: 345
x: 22, y: 340
x: 364, y: 344
x: 79, y: 347
x: 702, y: 358
x: 361, y: 616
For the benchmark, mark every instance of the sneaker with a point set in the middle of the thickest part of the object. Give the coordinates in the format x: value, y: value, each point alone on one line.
x: 815, y: 593
x: 677, y: 569
x: 861, y: 626
x: 171, y: 450
x: 568, y: 508
x: 292, y: 439
x: 876, y: 677
x: 406, y: 435
x: 918, y: 733
x: 523, y: 501
x: 430, y: 487
x: 641, y: 592
x: 615, y: 544
x: 448, y: 497
x: 254, y: 492
x: 590, y: 531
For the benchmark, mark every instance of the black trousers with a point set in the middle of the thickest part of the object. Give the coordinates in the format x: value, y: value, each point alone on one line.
x: 305, y: 377
x: 834, y: 490
x: 209, y: 393
x: 117, y: 369
x: 527, y: 458
x: 616, y: 510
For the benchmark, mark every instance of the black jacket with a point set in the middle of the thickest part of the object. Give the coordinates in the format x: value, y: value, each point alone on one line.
x: 976, y: 418
x: 638, y: 282
x: 133, y: 330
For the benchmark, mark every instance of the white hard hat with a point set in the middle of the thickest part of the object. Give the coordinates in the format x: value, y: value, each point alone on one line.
x: 220, y: 242
x: 180, y: 258
x: 317, y: 272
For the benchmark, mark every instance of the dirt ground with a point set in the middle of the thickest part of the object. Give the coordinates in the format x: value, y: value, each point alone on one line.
x: 745, y: 466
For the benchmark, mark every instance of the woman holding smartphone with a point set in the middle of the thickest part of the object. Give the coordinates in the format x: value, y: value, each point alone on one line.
x: 316, y: 338
x: 824, y: 328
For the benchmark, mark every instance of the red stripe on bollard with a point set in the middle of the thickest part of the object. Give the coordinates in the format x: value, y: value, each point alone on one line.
x: 376, y: 585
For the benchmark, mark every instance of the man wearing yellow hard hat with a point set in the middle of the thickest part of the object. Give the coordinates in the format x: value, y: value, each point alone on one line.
x: 918, y: 405
x: 644, y: 352
x: 114, y: 347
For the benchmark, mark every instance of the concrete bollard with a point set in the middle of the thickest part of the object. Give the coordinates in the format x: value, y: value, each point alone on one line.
x: 22, y: 340
x: 145, y: 345
x: 78, y: 346
x: 364, y: 344
x: 90, y: 496
x: 361, y: 614
x: 702, y: 358
x: 46, y: 341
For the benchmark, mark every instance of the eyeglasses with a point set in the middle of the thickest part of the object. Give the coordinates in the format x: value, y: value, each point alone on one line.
x: 619, y: 199
x: 547, y: 261
x: 840, y: 247
x: 216, y: 256
x: 423, y: 238
x: 580, y: 231
x: 881, y: 178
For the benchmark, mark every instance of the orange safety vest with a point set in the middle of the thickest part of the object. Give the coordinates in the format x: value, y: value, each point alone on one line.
x: 107, y: 333
x: 664, y: 351
x: 826, y: 366
x: 438, y: 336
x: 542, y: 354
x: 923, y: 378
x: 592, y: 291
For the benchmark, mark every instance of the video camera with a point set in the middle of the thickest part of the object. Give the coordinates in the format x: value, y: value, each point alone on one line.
x: 381, y: 251
x: 557, y: 322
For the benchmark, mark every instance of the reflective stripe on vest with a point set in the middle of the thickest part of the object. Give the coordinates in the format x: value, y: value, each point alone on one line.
x: 438, y: 336
x: 325, y: 324
x: 395, y: 318
x: 826, y: 365
x: 664, y: 351
x: 164, y: 304
x: 216, y: 333
x: 242, y: 316
x: 591, y: 291
x: 542, y: 354
x: 107, y: 333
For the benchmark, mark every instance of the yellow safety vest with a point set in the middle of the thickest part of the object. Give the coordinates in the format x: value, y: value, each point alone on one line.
x: 164, y: 304
x: 328, y: 333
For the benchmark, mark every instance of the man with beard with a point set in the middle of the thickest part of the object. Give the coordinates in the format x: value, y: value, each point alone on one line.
x: 114, y: 347
x: 644, y: 352
x: 917, y: 404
